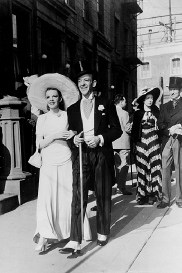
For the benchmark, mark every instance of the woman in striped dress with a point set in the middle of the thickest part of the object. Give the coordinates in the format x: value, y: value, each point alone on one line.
x: 147, y: 148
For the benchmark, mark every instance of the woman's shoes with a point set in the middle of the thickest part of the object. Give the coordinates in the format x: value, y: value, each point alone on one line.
x: 142, y: 201
x: 123, y: 191
x: 152, y: 200
x: 42, y: 245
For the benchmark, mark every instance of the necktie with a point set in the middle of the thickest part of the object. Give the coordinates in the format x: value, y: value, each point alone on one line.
x: 87, y: 107
x: 174, y: 103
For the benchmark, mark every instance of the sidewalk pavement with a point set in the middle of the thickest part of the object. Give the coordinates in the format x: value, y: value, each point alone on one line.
x: 143, y: 239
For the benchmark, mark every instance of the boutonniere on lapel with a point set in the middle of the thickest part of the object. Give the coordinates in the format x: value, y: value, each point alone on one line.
x: 101, y: 107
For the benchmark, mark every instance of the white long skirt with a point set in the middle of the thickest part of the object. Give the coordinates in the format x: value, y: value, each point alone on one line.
x: 54, y: 203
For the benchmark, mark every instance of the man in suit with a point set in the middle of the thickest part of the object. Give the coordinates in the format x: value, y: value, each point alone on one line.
x: 96, y: 123
x: 121, y: 146
x: 170, y: 126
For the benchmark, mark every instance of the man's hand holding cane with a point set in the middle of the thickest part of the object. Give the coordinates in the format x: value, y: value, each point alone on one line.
x: 175, y: 130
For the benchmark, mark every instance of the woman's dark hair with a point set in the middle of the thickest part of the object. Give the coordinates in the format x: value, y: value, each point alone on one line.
x: 61, y: 103
x: 118, y: 98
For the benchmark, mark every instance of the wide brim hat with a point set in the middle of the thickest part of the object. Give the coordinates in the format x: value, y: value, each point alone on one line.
x: 30, y: 79
x: 134, y: 102
x: 68, y: 89
x: 175, y: 82
x: 155, y: 91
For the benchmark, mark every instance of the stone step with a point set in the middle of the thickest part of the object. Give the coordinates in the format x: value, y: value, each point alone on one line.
x: 8, y: 202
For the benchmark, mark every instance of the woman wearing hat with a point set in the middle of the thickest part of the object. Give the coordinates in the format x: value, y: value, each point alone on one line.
x: 55, y: 180
x: 145, y: 137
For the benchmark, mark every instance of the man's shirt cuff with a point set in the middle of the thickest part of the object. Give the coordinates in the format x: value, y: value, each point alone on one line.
x: 74, y: 141
x: 101, y: 140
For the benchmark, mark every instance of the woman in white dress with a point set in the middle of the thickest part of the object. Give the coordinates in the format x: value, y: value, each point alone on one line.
x: 55, y: 181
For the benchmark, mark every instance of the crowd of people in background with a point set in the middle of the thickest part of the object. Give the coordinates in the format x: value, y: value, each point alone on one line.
x: 110, y: 137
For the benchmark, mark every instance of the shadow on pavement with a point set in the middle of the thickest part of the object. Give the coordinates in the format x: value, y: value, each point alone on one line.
x: 124, y: 210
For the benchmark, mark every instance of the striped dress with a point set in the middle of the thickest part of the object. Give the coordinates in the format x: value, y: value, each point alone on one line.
x: 148, y: 160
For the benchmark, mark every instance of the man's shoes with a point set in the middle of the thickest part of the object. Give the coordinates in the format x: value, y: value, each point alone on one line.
x: 179, y: 204
x: 162, y: 205
x: 75, y: 254
x: 102, y: 243
x: 67, y: 250
x: 101, y: 239
x: 70, y: 247
x: 124, y: 192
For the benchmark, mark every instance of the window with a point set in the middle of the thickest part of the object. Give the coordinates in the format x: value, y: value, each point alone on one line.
x: 116, y: 33
x: 100, y: 13
x: 146, y: 70
x: 70, y: 3
x: 86, y: 10
x: 14, y: 30
x: 21, y: 44
x: 176, y: 66
x: 126, y: 85
x: 134, y: 46
x: 126, y: 42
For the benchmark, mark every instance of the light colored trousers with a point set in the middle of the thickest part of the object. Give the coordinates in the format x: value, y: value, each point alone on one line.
x: 172, y: 152
x: 121, y: 167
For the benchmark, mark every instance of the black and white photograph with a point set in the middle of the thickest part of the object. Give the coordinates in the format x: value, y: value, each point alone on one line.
x: 90, y: 136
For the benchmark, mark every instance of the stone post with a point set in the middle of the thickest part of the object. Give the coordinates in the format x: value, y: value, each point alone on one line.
x: 13, y: 179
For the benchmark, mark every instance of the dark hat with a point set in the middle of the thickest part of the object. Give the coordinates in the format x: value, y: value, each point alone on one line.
x: 83, y: 67
x: 155, y: 91
x: 175, y: 82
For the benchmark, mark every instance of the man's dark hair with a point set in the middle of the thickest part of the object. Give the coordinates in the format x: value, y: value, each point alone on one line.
x: 118, y: 98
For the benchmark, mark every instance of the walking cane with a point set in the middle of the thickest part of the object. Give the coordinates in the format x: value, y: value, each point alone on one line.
x: 81, y: 188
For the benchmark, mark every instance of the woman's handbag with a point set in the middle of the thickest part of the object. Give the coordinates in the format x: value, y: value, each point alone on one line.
x: 36, y: 159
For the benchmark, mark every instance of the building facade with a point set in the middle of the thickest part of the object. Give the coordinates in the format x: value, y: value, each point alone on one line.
x: 160, y: 40
x: 50, y: 36
x: 161, y: 62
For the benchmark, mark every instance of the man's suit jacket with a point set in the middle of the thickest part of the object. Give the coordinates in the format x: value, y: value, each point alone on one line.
x: 106, y: 123
x: 169, y: 117
x: 123, y: 142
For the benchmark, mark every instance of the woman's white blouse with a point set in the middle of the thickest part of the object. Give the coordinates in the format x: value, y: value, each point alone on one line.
x: 58, y: 152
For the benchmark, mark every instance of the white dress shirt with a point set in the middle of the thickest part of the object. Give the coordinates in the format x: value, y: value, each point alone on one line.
x: 88, y: 123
